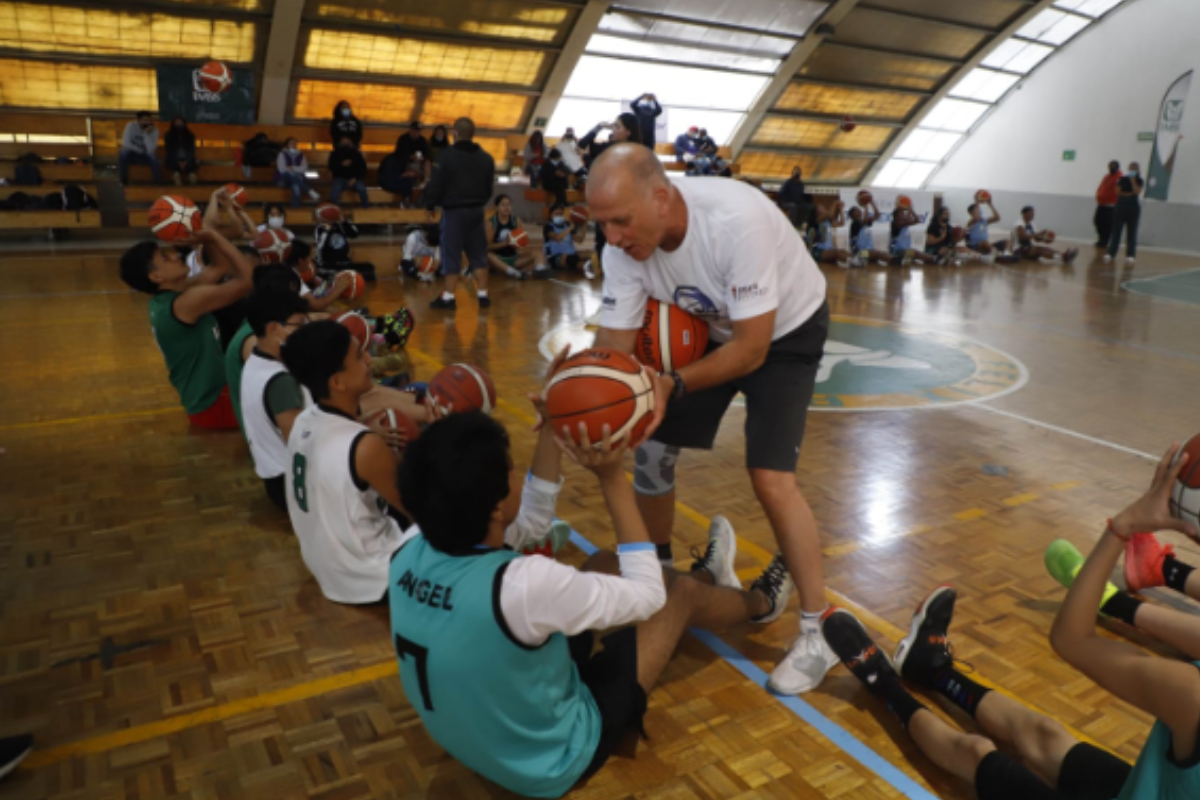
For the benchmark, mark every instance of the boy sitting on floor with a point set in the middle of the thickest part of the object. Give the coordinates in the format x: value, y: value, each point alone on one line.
x: 559, y: 244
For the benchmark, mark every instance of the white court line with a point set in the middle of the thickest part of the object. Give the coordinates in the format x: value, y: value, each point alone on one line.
x: 1161, y: 277
x: 1065, y: 431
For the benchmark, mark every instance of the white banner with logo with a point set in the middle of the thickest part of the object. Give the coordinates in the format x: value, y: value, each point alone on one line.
x: 1166, y: 138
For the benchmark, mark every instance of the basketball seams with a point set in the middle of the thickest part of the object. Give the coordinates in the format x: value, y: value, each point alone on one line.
x: 666, y: 346
x: 483, y: 390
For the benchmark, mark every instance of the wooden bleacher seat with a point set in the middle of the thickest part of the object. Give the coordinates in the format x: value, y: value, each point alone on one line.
x: 220, y: 174
x: 200, y: 193
x: 301, y: 218
x: 49, y: 136
x: 19, y: 220
x: 58, y: 173
x: 43, y: 189
x: 542, y: 196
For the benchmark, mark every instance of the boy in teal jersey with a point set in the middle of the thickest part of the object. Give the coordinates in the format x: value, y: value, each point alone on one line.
x: 495, y: 649
x: 181, y: 317
x: 1050, y: 763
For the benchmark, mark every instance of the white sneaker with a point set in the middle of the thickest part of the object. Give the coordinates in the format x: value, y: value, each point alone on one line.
x: 856, y: 262
x: 312, y: 195
x: 1107, y: 259
x: 1129, y: 262
x: 588, y: 272
x: 806, y: 663
x: 719, y: 556
x: 593, y: 320
x: 425, y: 277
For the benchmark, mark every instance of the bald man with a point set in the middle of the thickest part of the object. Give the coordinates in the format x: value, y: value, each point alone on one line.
x: 720, y: 250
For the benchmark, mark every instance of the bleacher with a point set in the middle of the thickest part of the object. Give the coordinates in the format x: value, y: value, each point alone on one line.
x: 51, y: 137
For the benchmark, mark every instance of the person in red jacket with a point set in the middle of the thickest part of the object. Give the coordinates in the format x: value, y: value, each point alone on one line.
x: 1106, y: 201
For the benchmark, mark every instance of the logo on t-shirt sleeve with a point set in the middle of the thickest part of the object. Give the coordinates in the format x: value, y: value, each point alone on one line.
x: 748, y: 292
x: 608, y: 302
x: 694, y: 301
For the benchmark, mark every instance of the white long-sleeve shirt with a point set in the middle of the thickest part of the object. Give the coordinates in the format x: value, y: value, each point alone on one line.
x: 136, y: 140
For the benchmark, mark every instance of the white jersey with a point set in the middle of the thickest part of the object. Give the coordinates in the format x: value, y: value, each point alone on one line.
x: 346, y: 536
x: 267, y: 446
x: 740, y: 259
x: 416, y: 246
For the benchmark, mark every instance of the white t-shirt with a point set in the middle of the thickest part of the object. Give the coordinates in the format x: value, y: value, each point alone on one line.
x: 739, y: 259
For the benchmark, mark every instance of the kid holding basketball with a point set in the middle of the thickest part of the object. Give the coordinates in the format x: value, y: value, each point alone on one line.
x: 903, y: 218
x: 1050, y: 763
x: 861, y: 240
x: 821, y: 228
x: 559, y: 247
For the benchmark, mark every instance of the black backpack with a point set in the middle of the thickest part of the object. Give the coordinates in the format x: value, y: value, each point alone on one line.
x: 390, y: 173
x: 71, y: 198
x: 260, y: 152
x: 26, y: 173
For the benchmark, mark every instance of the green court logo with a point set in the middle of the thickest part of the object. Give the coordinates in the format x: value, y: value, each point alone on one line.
x: 876, y: 366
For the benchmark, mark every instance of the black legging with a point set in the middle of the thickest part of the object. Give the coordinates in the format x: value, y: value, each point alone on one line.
x: 1103, y: 220
x: 1126, y: 215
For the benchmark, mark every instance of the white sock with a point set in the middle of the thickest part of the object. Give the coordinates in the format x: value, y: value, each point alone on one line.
x: 481, y: 293
x: 811, y: 620
x: 447, y: 296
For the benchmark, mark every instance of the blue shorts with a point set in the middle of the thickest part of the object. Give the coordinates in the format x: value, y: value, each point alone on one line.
x: 818, y: 250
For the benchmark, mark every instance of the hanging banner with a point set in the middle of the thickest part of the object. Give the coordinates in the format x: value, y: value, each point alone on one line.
x: 184, y: 92
x: 1166, y: 139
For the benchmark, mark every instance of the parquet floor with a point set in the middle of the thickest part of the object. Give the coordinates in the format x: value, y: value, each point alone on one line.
x: 162, y: 638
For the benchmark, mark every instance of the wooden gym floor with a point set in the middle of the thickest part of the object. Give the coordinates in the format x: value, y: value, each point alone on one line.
x: 162, y: 638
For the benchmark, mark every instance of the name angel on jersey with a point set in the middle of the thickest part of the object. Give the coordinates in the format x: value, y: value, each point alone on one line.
x: 433, y: 595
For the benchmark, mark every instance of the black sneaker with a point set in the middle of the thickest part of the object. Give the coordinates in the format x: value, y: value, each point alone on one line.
x: 441, y: 302
x: 13, y: 751
x: 926, y: 650
x: 853, y: 646
x: 777, y: 585
x: 485, y: 302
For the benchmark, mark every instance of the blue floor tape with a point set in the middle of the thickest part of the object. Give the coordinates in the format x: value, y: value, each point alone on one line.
x: 835, y: 733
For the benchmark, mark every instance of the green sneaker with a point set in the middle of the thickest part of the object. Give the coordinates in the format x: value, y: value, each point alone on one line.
x: 1063, y: 561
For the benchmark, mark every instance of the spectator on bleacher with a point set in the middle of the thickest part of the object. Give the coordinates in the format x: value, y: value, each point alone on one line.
x: 792, y: 199
x: 568, y: 146
x: 438, y: 141
x: 258, y: 151
x: 647, y: 110
x: 625, y: 128
x: 413, y: 151
x: 139, y: 144
x: 687, y: 146
x: 534, y: 155
x: 180, y: 144
x: 290, y: 167
x: 706, y: 145
x: 555, y: 176
x: 461, y: 185
x: 345, y: 125
x: 349, y: 170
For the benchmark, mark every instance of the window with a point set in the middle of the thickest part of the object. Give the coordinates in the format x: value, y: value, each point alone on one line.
x: 581, y: 115
x: 371, y: 102
x: 813, y: 135
x: 1015, y: 55
x: 94, y: 31
x: 1092, y: 8
x: 926, y: 145
x: 506, y: 19
x: 487, y: 109
x: 1053, y: 27
x: 655, y: 51
x: 841, y: 101
x: 388, y: 55
x: 600, y: 78
x: 46, y: 84
x: 901, y: 174
x: 984, y: 85
x: 954, y: 115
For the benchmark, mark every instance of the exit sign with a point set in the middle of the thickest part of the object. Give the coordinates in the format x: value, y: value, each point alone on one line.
x: 1145, y: 136
x: 1068, y: 155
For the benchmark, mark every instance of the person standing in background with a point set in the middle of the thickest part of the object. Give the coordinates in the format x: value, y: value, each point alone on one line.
x: 138, y: 146
x: 1127, y: 214
x: 534, y: 155
x: 647, y: 110
x: 1106, y: 199
x: 345, y: 125
x: 461, y: 185
x: 792, y: 199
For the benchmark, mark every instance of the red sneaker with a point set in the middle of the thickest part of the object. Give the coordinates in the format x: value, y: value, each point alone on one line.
x: 1144, y: 561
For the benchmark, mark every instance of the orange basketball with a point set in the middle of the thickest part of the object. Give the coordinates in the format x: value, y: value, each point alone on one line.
x: 903, y: 201
x: 518, y: 238
x: 1050, y: 237
x: 462, y: 387
x: 357, y: 324
x: 957, y: 233
x: 864, y: 197
x: 983, y: 196
x: 273, y: 245
x: 601, y: 387
x: 236, y: 194
x: 426, y: 265
x: 214, y: 77
x: 327, y: 212
x: 1185, y: 494
x: 391, y: 418
x: 670, y: 337
x: 358, y: 285
x: 174, y: 218
x: 848, y: 124
x: 580, y: 215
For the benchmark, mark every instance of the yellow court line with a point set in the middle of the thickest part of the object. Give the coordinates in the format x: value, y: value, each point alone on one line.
x: 96, y: 418
x: 165, y: 727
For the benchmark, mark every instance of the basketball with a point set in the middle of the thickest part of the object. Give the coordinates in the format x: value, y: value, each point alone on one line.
x: 391, y: 418
x: 236, y: 194
x: 848, y: 124
x: 327, y: 212
x: 957, y: 233
x: 1185, y: 494
x: 174, y: 218
x: 358, y: 285
x: 426, y: 265
x: 670, y: 337
x: 518, y: 238
x: 274, y: 245
x: 357, y: 324
x: 864, y: 197
x: 1050, y: 237
x: 580, y: 215
x: 601, y: 387
x: 306, y: 273
x: 215, y: 77
x: 983, y: 196
x: 904, y: 201
x: 462, y: 387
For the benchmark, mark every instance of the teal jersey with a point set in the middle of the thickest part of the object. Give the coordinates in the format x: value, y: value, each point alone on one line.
x: 1157, y: 775
x: 517, y: 715
x: 233, y: 370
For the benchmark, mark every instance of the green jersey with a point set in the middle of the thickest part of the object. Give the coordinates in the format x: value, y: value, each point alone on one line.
x: 195, y: 362
x: 1158, y: 775
x: 234, y: 366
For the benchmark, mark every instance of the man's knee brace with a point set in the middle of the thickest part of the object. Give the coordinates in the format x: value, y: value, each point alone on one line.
x: 654, y: 473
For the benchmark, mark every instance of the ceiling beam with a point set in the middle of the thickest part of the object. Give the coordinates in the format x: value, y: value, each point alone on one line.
x: 277, y: 66
x: 811, y: 151
x: 1019, y: 22
x: 950, y: 23
x: 721, y: 26
x: 866, y: 87
x: 801, y: 52
x: 833, y: 119
x: 568, y: 58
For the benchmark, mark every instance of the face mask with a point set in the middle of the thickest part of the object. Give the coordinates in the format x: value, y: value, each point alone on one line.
x: 275, y: 223
x: 293, y: 149
x: 555, y: 161
x: 1133, y: 173
x: 345, y: 112
x: 559, y: 219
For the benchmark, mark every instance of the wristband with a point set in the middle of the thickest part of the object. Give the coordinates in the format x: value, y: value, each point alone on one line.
x: 680, y: 387
x: 1110, y: 529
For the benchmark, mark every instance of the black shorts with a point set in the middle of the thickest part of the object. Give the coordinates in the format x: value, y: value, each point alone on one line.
x: 277, y: 491
x: 777, y: 398
x: 611, y: 676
